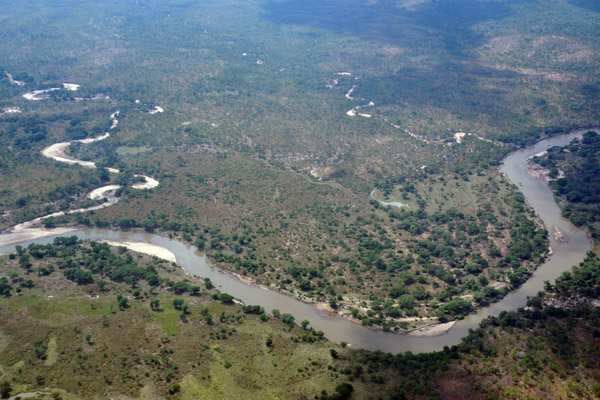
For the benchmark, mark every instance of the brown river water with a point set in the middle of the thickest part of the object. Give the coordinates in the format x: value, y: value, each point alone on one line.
x: 565, y: 254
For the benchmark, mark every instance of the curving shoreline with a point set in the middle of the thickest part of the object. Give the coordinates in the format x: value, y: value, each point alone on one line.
x: 336, y: 327
x: 27, y: 231
x: 145, y: 248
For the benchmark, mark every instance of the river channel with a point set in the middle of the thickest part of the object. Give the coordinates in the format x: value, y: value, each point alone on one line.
x: 565, y: 254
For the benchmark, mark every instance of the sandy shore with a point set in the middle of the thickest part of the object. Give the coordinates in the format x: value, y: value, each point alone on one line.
x: 25, y: 235
x: 150, y: 183
x: 57, y: 153
x: 431, y: 330
x: 92, y: 140
x: 14, y: 82
x: 39, y: 94
x: 536, y: 171
x: 145, y: 248
x: 349, y: 94
x: 458, y: 136
x: 71, y: 86
x: 11, y: 110
x: 98, y: 194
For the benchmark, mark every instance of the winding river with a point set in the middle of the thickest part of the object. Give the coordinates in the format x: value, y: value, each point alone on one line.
x: 565, y: 254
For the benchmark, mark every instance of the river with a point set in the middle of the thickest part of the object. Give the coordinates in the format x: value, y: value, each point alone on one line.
x: 337, y: 329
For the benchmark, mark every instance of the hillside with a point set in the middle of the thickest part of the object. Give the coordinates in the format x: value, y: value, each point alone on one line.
x: 165, y: 334
x: 346, y: 154
x: 267, y: 153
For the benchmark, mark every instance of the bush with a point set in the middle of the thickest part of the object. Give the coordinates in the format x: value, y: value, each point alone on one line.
x: 178, y: 303
x: 5, y: 390
x: 288, y: 319
x: 78, y: 276
x: 226, y: 298
x: 175, y: 388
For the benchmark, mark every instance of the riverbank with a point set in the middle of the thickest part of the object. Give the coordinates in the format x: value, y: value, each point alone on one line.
x: 15, y: 236
x: 336, y: 323
x: 145, y: 248
x: 425, y: 327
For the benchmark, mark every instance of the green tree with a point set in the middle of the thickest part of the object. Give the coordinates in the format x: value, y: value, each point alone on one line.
x: 178, y: 303
x: 406, y: 301
x: 5, y: 390
x: 226, y: 298
x: 344, y: 391
x: 40, y: 349
x: 122, y: 301
x: 288, y: 319
x: 154, y: 304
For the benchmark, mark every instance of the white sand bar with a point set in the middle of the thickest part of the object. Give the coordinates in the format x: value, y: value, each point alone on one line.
x: 12, y: 110
x: 145, y: 248
x: 458, y: 136
x: 39, y: 94
x: 349, y: 94
x: 114, y: 119
x: 157, y: 109
x: 92, y: 140
x: 71, y: 86
x: 540, y: 154
x: 14, y: 82
x: 149, y: 184
x: 9, y: 238
x: 100, y: 193
x: 25, y: 231
x: 432, y: 330
x: 57, y: 153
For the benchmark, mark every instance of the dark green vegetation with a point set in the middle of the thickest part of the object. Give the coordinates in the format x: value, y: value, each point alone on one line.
x: 258, y: 162
x: 32, y: 187
x: 549, y: 350
x: 261, y: 167
x: 149, y: 331
x: 575, y: 174
x: 148, y: 339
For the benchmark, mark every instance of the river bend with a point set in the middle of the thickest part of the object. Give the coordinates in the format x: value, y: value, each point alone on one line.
x: 564, y: 255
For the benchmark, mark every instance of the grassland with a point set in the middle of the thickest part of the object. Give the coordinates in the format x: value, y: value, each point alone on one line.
x: 77, y: 341
x: 254, y: 102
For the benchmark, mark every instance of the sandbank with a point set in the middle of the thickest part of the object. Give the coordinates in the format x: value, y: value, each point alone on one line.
x: 145, y: 248
x: 431, y: 330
